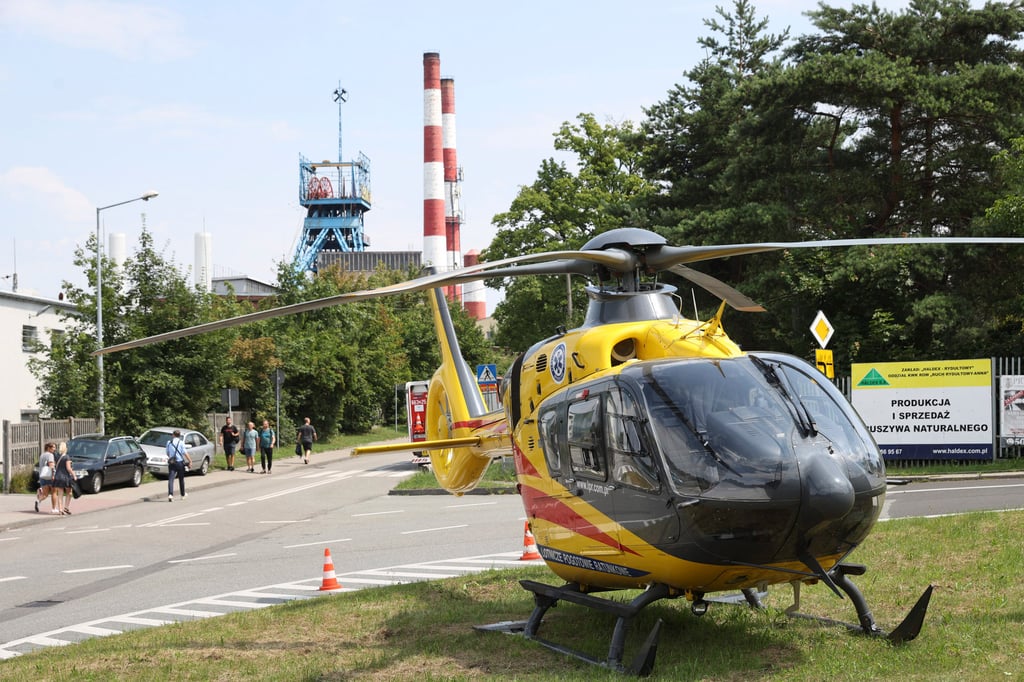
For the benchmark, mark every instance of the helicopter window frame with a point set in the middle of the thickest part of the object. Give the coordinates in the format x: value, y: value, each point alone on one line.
x: 583, y: 428
x: 548, y: 423
x: 631, y: 459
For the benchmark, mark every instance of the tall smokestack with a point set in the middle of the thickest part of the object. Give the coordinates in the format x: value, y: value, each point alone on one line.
x: 452, y: 185
x: 204, y: 261
x: 474, y: 300
x: 117, y: 248
x: 434, y: 240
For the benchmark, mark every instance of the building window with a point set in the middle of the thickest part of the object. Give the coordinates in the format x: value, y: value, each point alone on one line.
x: 29, y: 338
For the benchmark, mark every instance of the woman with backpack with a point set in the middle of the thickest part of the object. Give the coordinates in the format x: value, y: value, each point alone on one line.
x: 268, y: 439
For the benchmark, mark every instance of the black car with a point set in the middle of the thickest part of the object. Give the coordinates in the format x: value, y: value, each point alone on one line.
x: 103, y: 460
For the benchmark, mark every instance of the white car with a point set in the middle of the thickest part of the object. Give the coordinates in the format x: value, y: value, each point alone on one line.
x: 154, y: 443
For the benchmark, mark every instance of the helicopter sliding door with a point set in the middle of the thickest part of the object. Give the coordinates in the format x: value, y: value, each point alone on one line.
x: 639, y: 498
x: 612, y: 473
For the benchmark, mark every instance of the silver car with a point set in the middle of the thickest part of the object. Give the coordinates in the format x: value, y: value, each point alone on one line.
x: 154, y: 443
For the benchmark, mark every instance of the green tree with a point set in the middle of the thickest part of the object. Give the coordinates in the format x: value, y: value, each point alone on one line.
x: 175, y: 382
x: 731, y: 167
x: 923, y: 98
x: 562, y: 209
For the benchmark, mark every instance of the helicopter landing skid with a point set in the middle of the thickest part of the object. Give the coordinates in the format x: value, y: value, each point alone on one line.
x: 546, y: 596
x: 840, y: 574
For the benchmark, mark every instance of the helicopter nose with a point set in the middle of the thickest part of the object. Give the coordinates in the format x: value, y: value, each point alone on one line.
x: 827, y: 493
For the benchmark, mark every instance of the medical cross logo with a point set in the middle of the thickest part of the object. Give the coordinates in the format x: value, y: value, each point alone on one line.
x: 557, y: 364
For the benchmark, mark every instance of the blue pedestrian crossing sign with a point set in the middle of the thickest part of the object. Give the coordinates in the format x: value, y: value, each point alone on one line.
x: 486, y: 374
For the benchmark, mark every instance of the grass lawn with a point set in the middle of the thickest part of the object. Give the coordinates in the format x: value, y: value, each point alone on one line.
x: 423, y: 631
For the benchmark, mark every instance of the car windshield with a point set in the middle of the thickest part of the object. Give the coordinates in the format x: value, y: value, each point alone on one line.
x: 160, y: 438
x: 86, y: 449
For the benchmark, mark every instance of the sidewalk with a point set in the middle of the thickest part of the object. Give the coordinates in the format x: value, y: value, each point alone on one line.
x: 17, y: 510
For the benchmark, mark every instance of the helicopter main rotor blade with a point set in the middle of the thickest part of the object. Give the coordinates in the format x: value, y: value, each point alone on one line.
x: 717, y: 287
x: 667, y: 256
x: 614, y: 259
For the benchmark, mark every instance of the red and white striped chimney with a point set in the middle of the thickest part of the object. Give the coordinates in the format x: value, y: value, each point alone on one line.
x: 434, y: 240
x: 452, y: 186
x: 474, y: 300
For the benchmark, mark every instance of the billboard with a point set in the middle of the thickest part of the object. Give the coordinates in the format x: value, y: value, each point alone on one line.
x: 927, y: 410
x: 1011, y: 409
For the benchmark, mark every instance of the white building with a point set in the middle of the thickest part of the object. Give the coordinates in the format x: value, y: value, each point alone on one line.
x: 25, y: 321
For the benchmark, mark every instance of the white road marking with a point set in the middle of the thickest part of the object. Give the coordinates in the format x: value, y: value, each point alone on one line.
x: 282, y: 591
x: 135, y: 620
x: 88, y: 530
x: 913, y: 491
x: 431, y: 530
x: 186, y: 612
x: 93, y: 630
x: 230, y: 602
x: 172, y: 519
x: 6, y: 539
x: 466, y: 506
x: 97, y: 568
x: 303, y: 488
x: 14, y: 577
x: 287, y: 521
x: 318, y: 542
x: 380, y: 513
x: 202, y: 558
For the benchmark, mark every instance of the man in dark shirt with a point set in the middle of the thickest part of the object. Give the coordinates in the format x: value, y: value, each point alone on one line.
x: 228, y: 440
x: 306, y: 435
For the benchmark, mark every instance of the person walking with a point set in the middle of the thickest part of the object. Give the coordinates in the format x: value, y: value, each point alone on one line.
x: 228, y: 440
x: 306, y: 435
x: 268, y: 439
x: 177, y: 459
x: 63, y: 475
x: 249, y: 437
x: 47, y: 464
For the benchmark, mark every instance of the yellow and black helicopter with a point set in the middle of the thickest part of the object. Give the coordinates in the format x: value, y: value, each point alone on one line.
x: 651, y: 452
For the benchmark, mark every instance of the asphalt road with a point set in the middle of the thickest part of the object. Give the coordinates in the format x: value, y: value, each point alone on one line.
x: 255, y: 540
x: 953, y: 495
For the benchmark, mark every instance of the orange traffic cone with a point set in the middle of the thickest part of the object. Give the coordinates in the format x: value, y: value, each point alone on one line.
x: 529, y: 546
x: 330, y: 582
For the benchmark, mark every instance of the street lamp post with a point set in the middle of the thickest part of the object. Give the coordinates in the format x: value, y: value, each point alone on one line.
x: 99, y: 301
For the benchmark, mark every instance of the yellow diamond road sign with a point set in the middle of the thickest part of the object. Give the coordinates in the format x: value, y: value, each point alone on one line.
x: 822, y: 329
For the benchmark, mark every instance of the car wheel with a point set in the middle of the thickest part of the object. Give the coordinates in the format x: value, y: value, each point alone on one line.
x: 97, y: 483
x: 204, y: 468
x: 137, y: 476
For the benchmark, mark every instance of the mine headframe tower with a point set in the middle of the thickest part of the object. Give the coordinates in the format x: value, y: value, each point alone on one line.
x: 336, y: 196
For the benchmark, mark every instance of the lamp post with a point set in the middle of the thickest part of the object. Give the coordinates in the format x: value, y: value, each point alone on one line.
x: 99, y: 301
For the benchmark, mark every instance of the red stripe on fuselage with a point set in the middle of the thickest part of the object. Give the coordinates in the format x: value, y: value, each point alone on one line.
x: 542, y: 506
x: 480, y: 423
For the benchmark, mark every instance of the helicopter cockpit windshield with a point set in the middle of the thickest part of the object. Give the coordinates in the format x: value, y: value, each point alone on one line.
x: 742, y: 421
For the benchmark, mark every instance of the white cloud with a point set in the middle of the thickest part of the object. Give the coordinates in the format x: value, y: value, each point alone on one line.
x: 41, y: 186
x: 126, y: 29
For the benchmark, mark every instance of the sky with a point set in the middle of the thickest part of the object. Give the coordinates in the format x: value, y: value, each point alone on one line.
x: 212, y: 102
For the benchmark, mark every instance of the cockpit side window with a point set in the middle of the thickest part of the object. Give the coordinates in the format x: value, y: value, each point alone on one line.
x: 631, y: 460
x: 586, y: 454
x: 549, y: 440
